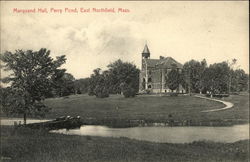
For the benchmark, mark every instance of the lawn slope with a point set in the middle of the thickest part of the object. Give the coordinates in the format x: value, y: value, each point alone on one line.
x: 150, y: 108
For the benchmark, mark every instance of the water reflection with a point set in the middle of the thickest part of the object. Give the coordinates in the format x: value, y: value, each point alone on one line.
x: 166, y: 134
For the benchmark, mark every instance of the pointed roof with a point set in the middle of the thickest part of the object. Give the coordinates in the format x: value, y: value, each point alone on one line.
x: 163, y: 63
x: 168, y: 63
x: 145, y: 50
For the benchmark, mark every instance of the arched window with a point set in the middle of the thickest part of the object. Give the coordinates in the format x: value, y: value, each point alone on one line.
x: 143, y: 83
x: 149, y: 79
x: 149, y: 86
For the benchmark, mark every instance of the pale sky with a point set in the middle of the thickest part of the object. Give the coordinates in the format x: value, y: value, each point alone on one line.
x: 215, y: 30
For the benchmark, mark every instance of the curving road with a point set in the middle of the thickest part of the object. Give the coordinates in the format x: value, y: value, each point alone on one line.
x: 228, y: 105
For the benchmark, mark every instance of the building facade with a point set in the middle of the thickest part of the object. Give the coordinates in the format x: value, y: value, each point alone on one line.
x: 154, y: 73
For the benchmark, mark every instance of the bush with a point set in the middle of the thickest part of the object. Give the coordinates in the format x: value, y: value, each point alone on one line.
x: 129, y: 92
x: 101, y: 91
x: 218, y: 95
x: 147, y: 91
x: 173, y: 94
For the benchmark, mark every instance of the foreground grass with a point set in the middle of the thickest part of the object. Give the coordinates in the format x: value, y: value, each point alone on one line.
x: 32, y: 145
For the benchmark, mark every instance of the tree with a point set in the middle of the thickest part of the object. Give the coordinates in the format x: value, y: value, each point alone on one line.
x: 238, y: 80
x: 30, y: 79
x: 173, y: 79
x: 64, y: 85
x: 99, y: 84
x: 120, y: 77
x: 82, y: 85
x: 94, y: 81
x: 128, y: 90
x: 216, y: 78
x: 121, y: 74
x: 194, y: 73
x: 101, y: 88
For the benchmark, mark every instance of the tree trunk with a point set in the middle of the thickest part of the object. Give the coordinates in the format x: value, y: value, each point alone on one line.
x: 24, y: 118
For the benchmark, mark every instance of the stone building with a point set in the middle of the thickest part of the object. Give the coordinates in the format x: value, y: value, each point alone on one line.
x: 154, y: 73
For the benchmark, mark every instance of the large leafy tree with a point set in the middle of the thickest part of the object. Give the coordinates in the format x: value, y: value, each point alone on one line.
x: 31, y: 78
x: 64, y: 85
x: 81, y: 85
x: 239, y: 80
x: 94, y: 81
x: 124, y: 77
x: 216, y: 78
x: 99, y: 84
x: 173, y: 79
x: 194, y: 74
x: 121, y: 77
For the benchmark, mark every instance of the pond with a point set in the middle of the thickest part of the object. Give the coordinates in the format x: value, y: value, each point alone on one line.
x: 10, y: 121
x: 166, y: 134
x: 155, y: 133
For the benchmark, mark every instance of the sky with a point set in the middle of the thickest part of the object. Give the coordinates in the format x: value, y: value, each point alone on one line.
x: 213, y: 30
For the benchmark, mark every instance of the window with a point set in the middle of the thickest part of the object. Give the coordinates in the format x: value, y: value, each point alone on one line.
x: 143, y: 84
x: 149, y: 86
x: 149, y: 79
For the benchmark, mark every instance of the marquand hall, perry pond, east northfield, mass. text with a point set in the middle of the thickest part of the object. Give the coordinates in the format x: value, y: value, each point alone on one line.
x: 72, y: 10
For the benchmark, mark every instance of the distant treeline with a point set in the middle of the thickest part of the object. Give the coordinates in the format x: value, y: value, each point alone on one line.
x: 120, y: 78
x: 196, y: 77
x: 217, y: 78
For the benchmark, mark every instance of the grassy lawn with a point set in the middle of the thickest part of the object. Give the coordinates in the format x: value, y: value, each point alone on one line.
x: 240, y: 111
x: 32, y: 145
x: 148, y: 108
x: 140, y: 107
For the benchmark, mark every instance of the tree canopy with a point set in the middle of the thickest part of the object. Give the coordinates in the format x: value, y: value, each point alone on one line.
x: 121, y: 77
x: 217, y: 78
x: 173, y: 79
x: 194, y: 72
x: 31, y: 79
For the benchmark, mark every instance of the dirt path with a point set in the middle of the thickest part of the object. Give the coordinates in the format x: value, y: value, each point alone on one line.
x: 228, y: 105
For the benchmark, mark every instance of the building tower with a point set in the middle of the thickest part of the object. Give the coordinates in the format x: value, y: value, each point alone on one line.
x: 145, y: 52
x: 144, y: 69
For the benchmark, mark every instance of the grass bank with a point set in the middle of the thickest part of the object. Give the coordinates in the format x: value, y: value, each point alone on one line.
x: 117, y: 111
x: 120, y: 112
x: 31, y: 145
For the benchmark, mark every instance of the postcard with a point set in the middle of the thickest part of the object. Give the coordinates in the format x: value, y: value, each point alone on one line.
x: 124, y: 81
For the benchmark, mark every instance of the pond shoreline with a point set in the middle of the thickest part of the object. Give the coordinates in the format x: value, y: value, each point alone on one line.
x: 119, y: 123
x: 164, y: 134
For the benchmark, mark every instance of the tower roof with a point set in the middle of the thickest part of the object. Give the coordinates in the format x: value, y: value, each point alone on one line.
x: 145, y: 50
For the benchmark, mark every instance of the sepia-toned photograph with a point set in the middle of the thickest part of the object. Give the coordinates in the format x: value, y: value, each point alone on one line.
x: 124, y: 81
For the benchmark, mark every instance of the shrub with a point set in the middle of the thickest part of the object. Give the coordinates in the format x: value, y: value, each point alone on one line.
x: 128, y: 91
x: 218, y: 95
x: 101, y: 91
x: 148, y: 91
x: 173, y: 94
